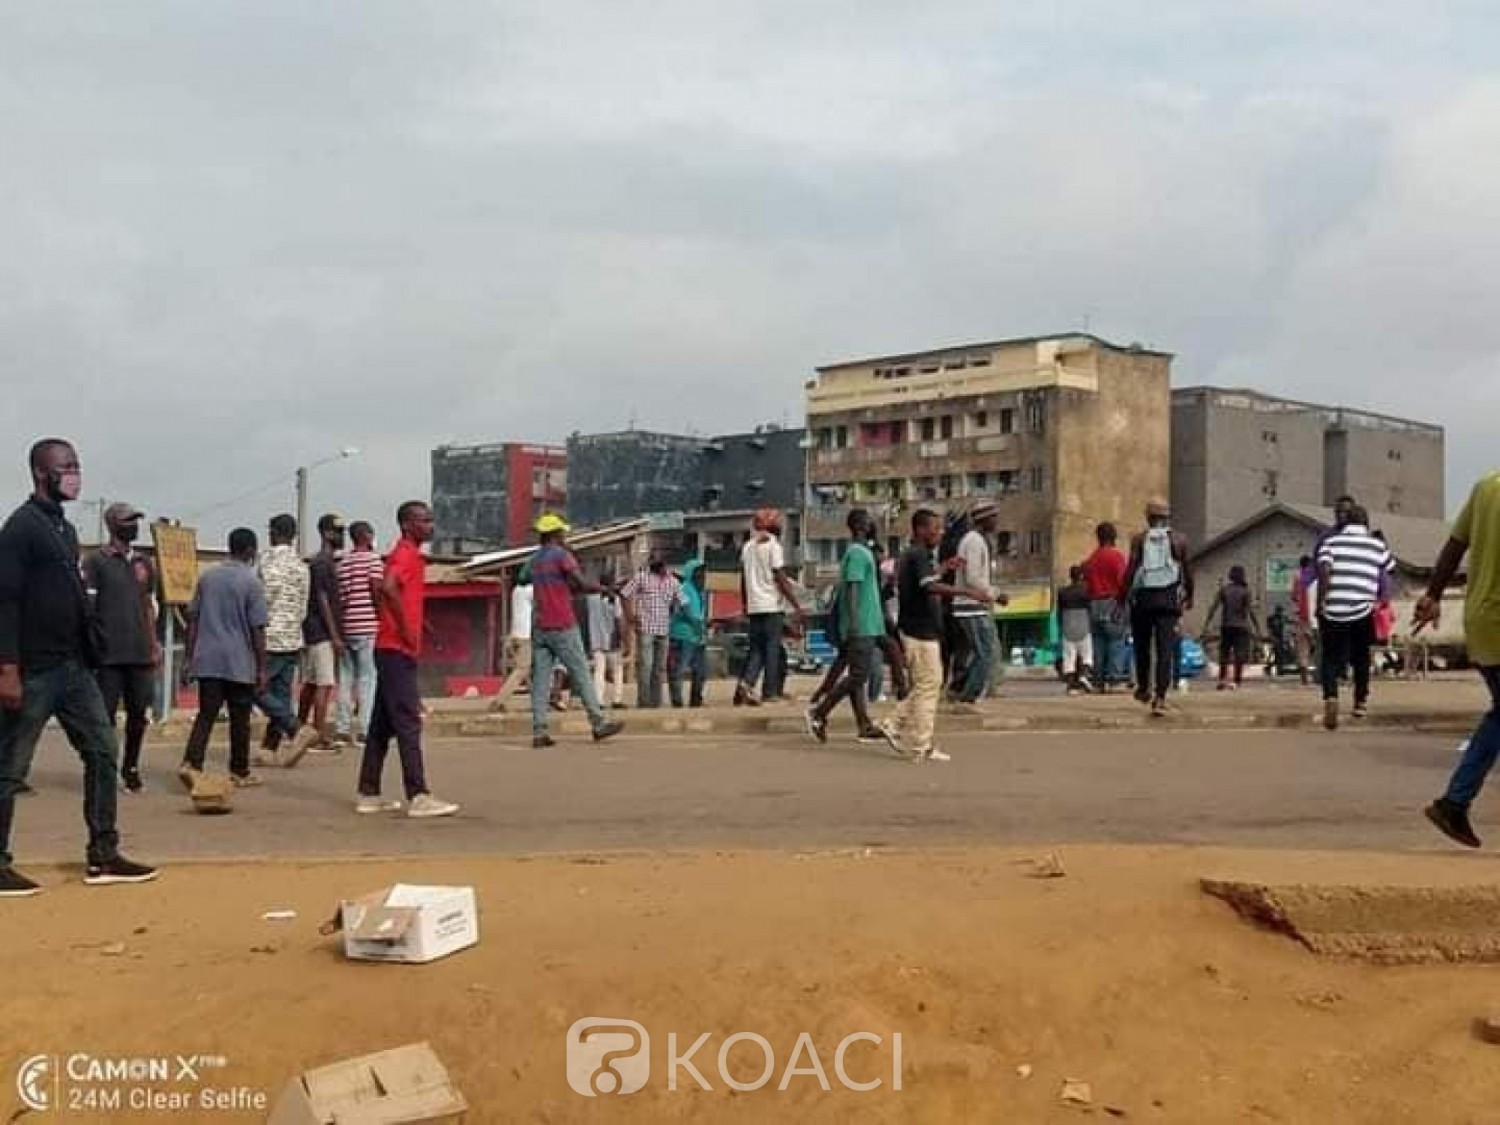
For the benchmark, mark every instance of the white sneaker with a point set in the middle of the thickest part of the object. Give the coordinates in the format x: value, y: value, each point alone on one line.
x: 366, y: 805
x: 936, y: 755
x: 425, y: 805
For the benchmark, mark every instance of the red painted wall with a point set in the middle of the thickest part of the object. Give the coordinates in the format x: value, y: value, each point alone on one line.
x: 522, y: 498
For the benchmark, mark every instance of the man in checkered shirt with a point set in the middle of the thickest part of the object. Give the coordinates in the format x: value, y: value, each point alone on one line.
x: 649, y: 599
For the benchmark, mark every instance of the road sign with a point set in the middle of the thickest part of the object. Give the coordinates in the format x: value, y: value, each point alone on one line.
x: 176, y: 562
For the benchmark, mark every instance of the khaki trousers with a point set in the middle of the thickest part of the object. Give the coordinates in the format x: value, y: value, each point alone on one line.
x: 916, y: 717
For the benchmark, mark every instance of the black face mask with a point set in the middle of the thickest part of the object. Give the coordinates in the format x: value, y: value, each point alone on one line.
x: 128, y: 532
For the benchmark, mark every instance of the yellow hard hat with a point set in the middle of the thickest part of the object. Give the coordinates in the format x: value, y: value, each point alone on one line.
x: 551, y: 523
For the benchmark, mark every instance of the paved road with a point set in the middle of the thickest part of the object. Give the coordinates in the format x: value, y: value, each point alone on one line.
x: 1272, y: 790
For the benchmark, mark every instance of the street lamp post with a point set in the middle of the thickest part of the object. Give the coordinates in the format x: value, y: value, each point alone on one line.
x: 303, y: 472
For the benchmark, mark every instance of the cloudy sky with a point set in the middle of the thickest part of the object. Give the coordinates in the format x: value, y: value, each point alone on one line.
x: 238, y: 237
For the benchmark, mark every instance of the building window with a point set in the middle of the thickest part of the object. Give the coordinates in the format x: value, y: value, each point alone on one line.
x: 945, y: 486
x: 1038, y: 478
x: 1007, y: 421
x: 982, y: 419
x: 841, y: 437
x: 1036, y: 414
x: 898, y: 432
x: 1394, y: 454
x: 1037, y: 543
x: 1273, y: 482
x: 1269, y: 436
x: 955, y: 363
x: 1005, y: 543
x: 979, y: 361
x: 929, y: 429
x: 947, y: 426
x: 978, y: 482
x: 1005, y: 480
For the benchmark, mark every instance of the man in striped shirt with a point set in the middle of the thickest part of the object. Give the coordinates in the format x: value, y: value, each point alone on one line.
x: 360, y: 573
x: 1351, y: 565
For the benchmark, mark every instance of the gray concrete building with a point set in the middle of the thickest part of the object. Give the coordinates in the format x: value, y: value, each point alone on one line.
x: 635, y: 472
x: 1235, y: 452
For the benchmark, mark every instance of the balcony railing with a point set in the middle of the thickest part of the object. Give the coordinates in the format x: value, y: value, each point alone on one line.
x: 910, y: 455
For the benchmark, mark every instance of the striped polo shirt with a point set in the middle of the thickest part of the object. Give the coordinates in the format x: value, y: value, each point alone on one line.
x: 359, y: 571
x: 1357, y: 561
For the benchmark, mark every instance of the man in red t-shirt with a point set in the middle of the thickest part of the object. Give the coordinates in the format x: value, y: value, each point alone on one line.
x: 398, y: 698
x: 1104, y: 576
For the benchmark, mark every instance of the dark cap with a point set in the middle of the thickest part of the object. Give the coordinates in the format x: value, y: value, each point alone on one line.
x: 121, y: 512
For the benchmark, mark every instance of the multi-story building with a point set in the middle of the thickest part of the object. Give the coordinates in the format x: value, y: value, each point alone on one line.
x: 488, y: 496
x: 632, y: 473
x: 1237, y: 452
x: 1062, y: 431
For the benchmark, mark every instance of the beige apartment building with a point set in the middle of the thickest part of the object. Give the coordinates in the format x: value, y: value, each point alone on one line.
x: 1062, y: 431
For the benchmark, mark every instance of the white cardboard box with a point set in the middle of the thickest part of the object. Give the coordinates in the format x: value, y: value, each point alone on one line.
x: 409, y: 924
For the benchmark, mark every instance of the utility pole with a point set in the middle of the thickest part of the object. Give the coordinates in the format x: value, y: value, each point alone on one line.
x: 301, y: 510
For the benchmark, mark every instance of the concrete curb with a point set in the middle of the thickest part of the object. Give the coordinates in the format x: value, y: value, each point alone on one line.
x: 688, y: 725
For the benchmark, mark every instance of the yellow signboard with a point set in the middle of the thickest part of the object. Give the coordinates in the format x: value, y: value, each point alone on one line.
x: 1026, y: 601
x: 176, y: 562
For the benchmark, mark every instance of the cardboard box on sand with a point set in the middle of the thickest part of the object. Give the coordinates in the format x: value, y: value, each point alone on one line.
x: 407, y: 924
x: 405, y: 1086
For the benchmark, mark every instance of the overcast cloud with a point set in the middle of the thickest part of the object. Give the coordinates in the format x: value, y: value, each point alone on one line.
x: 238, y: 237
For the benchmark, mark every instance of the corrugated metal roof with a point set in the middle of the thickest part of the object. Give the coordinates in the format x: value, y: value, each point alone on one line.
x: 1415, y: 542
x: 580, y: 540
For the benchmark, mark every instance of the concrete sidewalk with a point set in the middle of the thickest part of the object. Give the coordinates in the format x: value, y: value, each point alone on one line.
x: 1450, y: 704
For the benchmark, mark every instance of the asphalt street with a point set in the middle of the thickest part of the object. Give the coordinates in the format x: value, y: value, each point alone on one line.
x: 1284, y: 790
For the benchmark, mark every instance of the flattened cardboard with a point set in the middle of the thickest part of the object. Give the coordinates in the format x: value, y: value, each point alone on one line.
x: 405, y: 1086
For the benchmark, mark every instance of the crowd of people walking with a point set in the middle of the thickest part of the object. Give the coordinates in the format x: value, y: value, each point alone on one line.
x: 78, y: 639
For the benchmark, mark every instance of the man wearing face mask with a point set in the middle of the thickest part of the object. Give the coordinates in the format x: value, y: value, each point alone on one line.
x: 120, y: 582
x: 45, y: 658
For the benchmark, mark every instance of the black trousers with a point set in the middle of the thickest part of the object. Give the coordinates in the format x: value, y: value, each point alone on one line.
x: 855, y: 685
x: 214, y: 696
x: 133, y: 685
x: 398, y: 715
x: 1346, y: 644
x: 1154, y: 632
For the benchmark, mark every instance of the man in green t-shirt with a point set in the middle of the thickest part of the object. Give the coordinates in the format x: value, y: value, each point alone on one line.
x: 1477, y: 534
x: 861, y: 624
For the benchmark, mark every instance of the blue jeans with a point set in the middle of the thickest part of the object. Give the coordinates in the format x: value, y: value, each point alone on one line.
x: 979, y: 631
x: 650, y: 669
x: 276, y: 702
x: 763, y: 633
x: 549, y: 648
x: 1110, y: 663
x: 691, y: 659
x: 356, y: 683
x: 1482, y: 749
x: 69, y: 693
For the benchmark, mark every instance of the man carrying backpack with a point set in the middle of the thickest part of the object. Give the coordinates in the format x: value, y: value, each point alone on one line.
x: 1161, y: 589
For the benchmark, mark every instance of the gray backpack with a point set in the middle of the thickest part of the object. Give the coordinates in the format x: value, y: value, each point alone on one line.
x: 1159, y: 568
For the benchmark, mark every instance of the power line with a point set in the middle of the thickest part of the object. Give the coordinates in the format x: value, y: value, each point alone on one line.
x: 279, y: 479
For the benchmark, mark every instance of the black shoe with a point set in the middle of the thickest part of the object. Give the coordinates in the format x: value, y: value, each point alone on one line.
x: 1143, y: 696
x: 25, y: 790
x: 132, y: 780
x: 15, y: 885
x: 608, y: 730
x: 817, y: 726
x: 543, y: 741
x: 1453, y: 822
x: 118, y: 870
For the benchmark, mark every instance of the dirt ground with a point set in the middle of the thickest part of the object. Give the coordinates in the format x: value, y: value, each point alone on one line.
x: 1120, y: 974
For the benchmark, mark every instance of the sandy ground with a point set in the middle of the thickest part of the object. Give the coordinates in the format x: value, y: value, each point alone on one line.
x: 1120, y: 974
